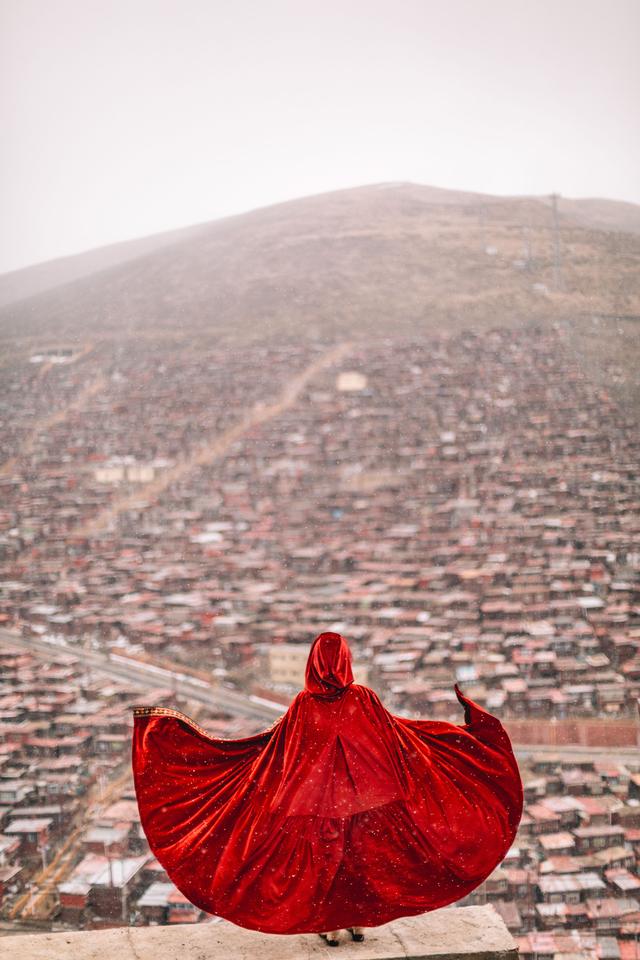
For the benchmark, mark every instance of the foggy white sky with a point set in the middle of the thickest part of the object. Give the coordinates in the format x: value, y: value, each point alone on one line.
x: 122, y: 118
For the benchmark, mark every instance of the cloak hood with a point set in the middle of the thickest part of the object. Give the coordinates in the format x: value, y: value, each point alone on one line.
x: 328, y: 671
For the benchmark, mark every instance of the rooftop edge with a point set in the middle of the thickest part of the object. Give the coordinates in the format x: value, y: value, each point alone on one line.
x: 468, y: 933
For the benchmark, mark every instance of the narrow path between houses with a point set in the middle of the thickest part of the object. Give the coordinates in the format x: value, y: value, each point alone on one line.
x: 52, y: 420
x: 216, y: 448
x: 40, y: 900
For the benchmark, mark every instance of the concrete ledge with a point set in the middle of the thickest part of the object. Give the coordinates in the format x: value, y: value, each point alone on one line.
x: 468, y: 933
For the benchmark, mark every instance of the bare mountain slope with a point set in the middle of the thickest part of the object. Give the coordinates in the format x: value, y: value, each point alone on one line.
x: 603, y: 214
x: 371, y: 260
x: 29, y: 281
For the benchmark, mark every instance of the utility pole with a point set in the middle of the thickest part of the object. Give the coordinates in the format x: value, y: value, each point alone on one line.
x: 526, y: 246
x: 482, y: 223
x: 107, y: 853
x: 557, y: 264
x: 123, y: 899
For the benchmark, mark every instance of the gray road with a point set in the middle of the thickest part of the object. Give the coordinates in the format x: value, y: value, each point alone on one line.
x: 147, y: 676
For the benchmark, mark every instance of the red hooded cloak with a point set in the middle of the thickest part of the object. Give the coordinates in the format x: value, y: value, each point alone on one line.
x: 340, y: 814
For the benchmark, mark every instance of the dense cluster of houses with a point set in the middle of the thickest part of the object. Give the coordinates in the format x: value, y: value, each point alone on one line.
x: 71, y: 847
x: 72, y: 851
x: 574, y: 870
x: 462, y: 507
x: 465, y: 507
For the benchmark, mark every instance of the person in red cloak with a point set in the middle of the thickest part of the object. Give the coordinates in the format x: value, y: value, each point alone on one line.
x: 341, y: 815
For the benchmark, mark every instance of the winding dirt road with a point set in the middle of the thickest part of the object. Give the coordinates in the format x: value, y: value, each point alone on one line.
x: 50, y: 421
x: 216, y: 448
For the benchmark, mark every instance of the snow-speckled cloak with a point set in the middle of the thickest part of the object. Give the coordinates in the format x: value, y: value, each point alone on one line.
x: 339, y: 815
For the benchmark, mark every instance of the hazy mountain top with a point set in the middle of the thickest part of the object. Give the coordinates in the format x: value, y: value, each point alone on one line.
x: 378, y: 260
x: 327, y: 212
x: 20, y: 284
x: 603, y: 214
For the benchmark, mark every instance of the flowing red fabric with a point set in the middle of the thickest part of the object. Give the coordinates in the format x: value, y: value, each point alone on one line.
x: 339, y: 815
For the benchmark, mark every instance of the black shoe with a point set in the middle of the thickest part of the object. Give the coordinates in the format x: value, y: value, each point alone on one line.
x: 358, y: 937
x: 330, y: 943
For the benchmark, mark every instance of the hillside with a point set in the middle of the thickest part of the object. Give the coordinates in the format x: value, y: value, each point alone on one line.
x: 29, y: 281
x: 365, y: 261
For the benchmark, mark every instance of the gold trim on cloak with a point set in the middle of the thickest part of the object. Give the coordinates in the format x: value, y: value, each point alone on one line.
x: 177, y: 715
